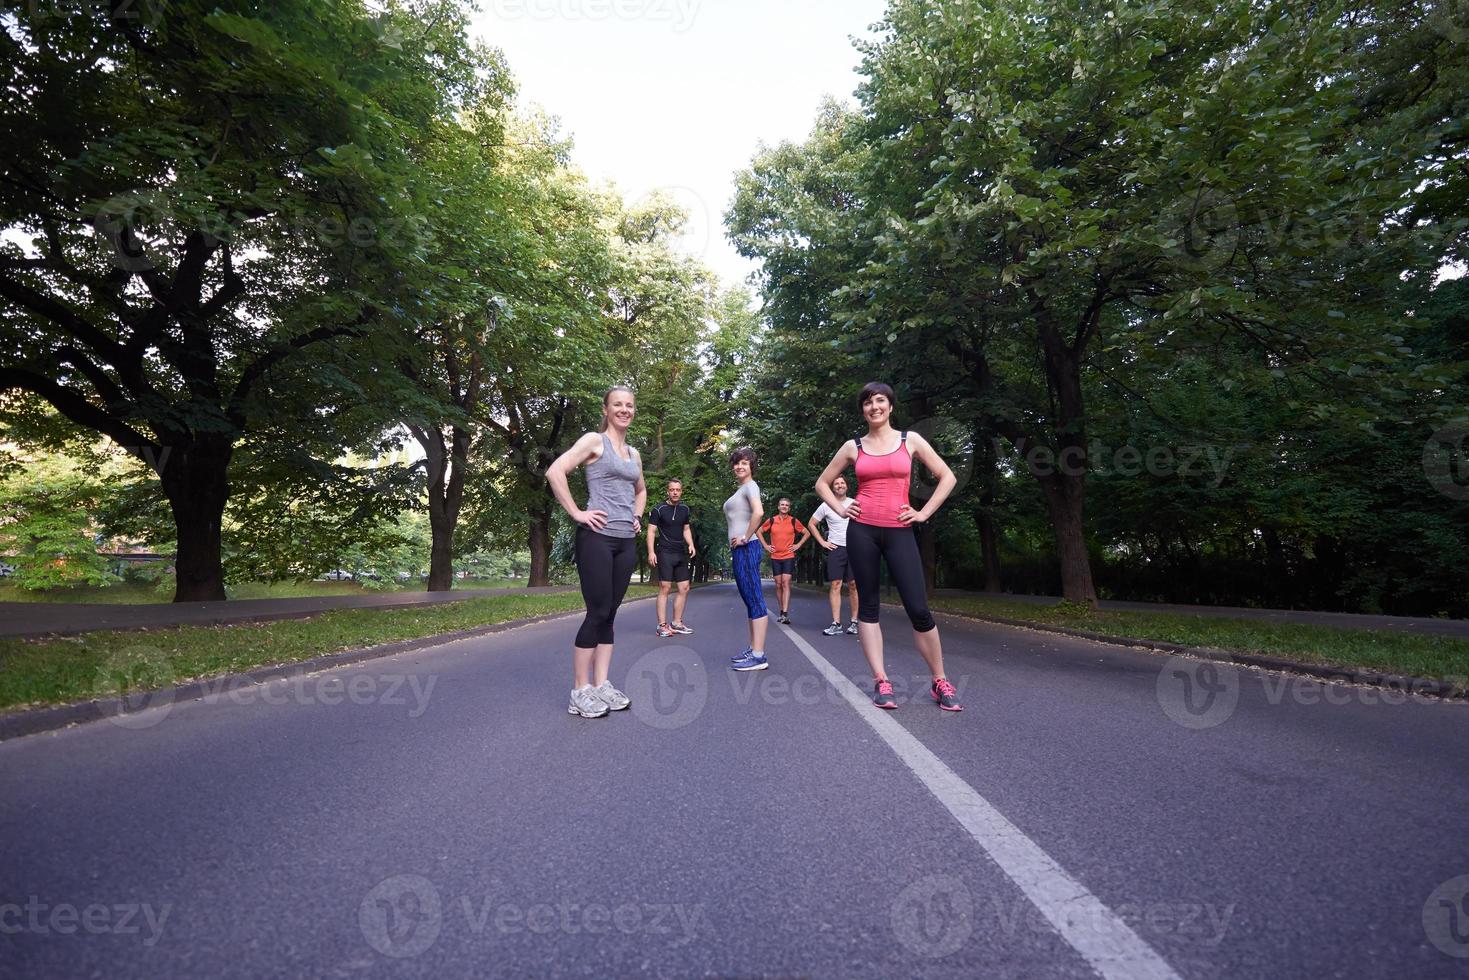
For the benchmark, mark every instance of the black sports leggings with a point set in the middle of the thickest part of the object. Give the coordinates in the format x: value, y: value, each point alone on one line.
x: 605, y: 566
x: 866, y: 545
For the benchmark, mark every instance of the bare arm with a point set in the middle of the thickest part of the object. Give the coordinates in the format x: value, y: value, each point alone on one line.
x: 846, y: 456
x: 587, y: 448
x: 816, y: 533
x: 688, y: 538
x: 757, y: 517
x: 925, y: 453
x: 652, y: 553
x: 805, y: 536
x: 641, y: 499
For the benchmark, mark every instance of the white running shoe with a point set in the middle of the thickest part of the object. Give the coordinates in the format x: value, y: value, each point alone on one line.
x: 586, y: 702
x: 614, y: 699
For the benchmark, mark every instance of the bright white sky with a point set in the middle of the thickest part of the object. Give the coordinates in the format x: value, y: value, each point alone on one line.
x: 676, y: 94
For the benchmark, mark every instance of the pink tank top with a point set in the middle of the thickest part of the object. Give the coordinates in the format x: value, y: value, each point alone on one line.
x: 882, y: 485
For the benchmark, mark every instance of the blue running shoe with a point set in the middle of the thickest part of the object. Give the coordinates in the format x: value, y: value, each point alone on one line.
x: 751, y: 662
x: 741, y: 655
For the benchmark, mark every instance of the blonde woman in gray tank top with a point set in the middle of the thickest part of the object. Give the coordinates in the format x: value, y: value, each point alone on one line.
x: 606, y: 545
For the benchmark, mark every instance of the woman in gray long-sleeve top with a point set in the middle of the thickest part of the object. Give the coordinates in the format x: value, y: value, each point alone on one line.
x: 606, y: 548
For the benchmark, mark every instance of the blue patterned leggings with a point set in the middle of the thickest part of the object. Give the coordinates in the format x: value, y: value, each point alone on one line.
x: 747, y: 576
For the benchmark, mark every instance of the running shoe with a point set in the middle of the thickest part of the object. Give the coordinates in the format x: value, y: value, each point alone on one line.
x: 614, y: 699
x: 751, y: 662
x: 584, y: 702
x: 852, y: 627
x: 741, y: 655
x: 835, y: 629
x: 664, y: 630
x: 882, y: 695
x: 680, y: 628
x: 785, y: 618
x: 943, y: 692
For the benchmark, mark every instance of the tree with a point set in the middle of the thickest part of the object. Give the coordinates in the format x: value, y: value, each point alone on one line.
x: 1053, y: 185
x: 193, y: 205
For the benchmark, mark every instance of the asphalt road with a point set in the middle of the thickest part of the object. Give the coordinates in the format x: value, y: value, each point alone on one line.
x: 1094, y: 811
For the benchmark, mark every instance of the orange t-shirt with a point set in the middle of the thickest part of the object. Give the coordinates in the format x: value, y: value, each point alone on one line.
x: 782, y: 529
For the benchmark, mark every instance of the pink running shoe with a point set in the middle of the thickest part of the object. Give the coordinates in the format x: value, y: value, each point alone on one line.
x: 943, y: 692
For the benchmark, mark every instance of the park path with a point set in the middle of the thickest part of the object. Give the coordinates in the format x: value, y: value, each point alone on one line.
x: 438, y: 814
x: 35, y: 619
x: 1426, y: 625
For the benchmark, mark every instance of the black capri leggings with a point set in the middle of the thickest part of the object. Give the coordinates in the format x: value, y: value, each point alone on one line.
x: 866, y: 545
x: 605, y: 566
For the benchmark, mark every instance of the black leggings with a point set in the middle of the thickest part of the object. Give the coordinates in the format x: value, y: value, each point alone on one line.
x: 605, y: 566
x: 866, y: 545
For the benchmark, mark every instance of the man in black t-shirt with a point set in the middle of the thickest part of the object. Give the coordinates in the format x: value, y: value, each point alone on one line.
x: 671, y: 550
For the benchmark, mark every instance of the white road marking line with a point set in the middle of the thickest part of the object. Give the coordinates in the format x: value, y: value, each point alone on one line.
x: 1092, y: 929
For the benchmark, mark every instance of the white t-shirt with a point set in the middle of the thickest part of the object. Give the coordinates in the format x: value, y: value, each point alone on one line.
x: 836, y: 527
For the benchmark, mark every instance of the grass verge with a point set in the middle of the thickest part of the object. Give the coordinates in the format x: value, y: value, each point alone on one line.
x: 140, y: 593
x: 68, y: 669
x: 1381, y: 650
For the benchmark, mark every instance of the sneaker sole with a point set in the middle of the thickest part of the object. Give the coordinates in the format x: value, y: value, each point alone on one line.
x: 582, y: 714
x: 885, y: 707
x: 755, y: 667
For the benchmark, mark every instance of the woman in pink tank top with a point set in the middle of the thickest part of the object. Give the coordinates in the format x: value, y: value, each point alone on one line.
x: 881, y: 530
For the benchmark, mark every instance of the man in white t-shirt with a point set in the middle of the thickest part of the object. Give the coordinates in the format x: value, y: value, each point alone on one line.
x: 838, y: 569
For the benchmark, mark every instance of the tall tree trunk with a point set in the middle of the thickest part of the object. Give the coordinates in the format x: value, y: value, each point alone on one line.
x: 929, y: 554
x: 195, y: 480
x: 540, y: 544
x: 1065, y: 499
x: 1065, y: 485
x: 989, y: 535
x: 446, y: 461
x: 441, y: 553
x: 989, y: 544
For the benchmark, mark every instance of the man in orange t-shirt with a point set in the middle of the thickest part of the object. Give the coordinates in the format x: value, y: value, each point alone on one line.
x: 783, y: 546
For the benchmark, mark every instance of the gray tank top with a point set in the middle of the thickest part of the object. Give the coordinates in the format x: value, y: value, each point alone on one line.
x: 612, y: 486
x: 740, y: 507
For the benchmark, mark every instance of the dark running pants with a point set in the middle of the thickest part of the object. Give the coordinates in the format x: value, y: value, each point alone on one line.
x: 866, y: 547
x: 605, y: 567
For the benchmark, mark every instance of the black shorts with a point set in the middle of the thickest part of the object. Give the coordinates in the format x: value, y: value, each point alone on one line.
x: 838, y: 566
x: 673, y: 566
x: 782, y: 566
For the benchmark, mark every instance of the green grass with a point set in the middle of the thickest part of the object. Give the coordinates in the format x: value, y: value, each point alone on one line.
x: 70, y: 669
x: 1391, y: 652
x: 137, y: 593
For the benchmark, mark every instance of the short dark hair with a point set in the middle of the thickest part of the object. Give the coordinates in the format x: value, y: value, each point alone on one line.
x: 874, y: 388
x: 744, y: 452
